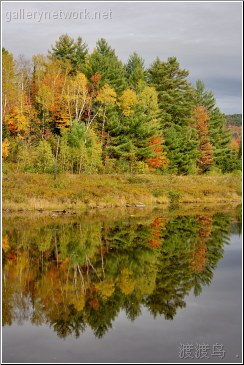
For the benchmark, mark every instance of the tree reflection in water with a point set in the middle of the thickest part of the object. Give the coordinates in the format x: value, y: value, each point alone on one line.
x: 80, y: 274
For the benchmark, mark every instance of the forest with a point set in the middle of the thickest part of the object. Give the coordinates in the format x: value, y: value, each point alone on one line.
x: 72, y: 111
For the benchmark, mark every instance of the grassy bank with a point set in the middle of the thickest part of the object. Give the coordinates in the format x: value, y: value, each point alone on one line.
x: 25, y: 191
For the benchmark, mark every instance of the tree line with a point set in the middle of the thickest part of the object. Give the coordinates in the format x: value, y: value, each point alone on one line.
x: 80, y: 112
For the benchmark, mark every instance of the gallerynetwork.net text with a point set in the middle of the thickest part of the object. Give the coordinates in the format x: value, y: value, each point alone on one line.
x: 39, y: 16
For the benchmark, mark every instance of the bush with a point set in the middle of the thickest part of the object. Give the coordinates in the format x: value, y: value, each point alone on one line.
x: 214, y: 171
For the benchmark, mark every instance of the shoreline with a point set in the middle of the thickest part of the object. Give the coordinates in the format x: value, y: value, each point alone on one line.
x: 76, y: 194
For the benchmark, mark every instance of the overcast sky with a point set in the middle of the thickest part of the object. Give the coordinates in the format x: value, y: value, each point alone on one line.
x: 205, y: 37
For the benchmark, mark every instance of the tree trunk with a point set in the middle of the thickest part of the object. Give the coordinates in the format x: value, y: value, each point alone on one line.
x: 56, y: 162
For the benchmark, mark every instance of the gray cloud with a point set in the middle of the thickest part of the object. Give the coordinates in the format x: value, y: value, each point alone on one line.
x: 205, y: 37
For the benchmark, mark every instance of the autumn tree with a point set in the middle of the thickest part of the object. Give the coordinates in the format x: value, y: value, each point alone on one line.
x: 9, y: 83
x: 5, y: 148
x: 50, y: 96
x: 127, y: 101
x: 219, y: 136
x: 158, y: 159
x: 76, y: 96
x: 205, y: 158
x: 107, y: 99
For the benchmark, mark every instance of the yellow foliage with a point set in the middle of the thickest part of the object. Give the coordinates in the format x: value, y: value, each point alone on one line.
x: 147, y: 282
x: 17, y: 121
x: 234, y: 145
x: 5, y: 148
x: 149, y: 98
x: 106, y: 288
x: 126, y: 283
x: 127, y: 100
x: 63, y: 121
x: 79, y: 303
x: 5, y: 243
x: 80, y: 81
x: 107, y: 95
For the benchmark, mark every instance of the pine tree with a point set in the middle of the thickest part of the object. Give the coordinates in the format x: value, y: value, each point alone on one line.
x: 64, y: 48
x: 181, y: 147
x: 130, y: 135
x: 104, y: 61
x: 67, y: 49
x: 174, y: 91
x: 220, y: 138
x: 204, y: 97
x: 135, y: 72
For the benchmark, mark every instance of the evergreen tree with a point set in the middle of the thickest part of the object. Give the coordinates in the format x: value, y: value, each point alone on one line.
x: 129, y: 136
x: 174, y: 91
x: 181, y: 147
x: 104, y: 61
x: 220, y: 138
x: 66, y: 48
x: 135, y: 72
x: 204, y: 97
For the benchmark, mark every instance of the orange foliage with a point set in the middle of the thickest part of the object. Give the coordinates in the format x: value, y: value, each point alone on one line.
x: 199, y: 260
x: 205, y: 226
x: 94, y: 303
x: 160, y: 159
x: 93, y: 88
x: 205, y: 147
x: 96, y: 78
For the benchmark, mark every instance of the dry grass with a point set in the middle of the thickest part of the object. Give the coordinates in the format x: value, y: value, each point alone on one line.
x: 25, y: 191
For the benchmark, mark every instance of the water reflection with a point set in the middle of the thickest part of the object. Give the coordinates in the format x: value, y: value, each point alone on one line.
x: 81, y: 274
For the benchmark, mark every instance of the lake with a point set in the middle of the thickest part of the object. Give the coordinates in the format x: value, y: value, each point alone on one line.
x: 123, y: 286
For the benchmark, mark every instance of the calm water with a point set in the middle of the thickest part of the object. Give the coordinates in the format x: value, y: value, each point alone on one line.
x: 155, y: 287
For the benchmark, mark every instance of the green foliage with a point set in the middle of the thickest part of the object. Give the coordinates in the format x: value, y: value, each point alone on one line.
x: 174, y: 197
x: 174, y: 91
x: 68, y: 49
x: 135, y: 72
x: 203, y: 97
x: 43, y: 157
x: 79, y: 152
x: 103, y: 61
x: 181, y: 147
x: 130, y: 136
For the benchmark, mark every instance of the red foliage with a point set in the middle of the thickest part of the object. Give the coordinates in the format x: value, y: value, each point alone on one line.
x: 155, y: 242
x: 93, y: 302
